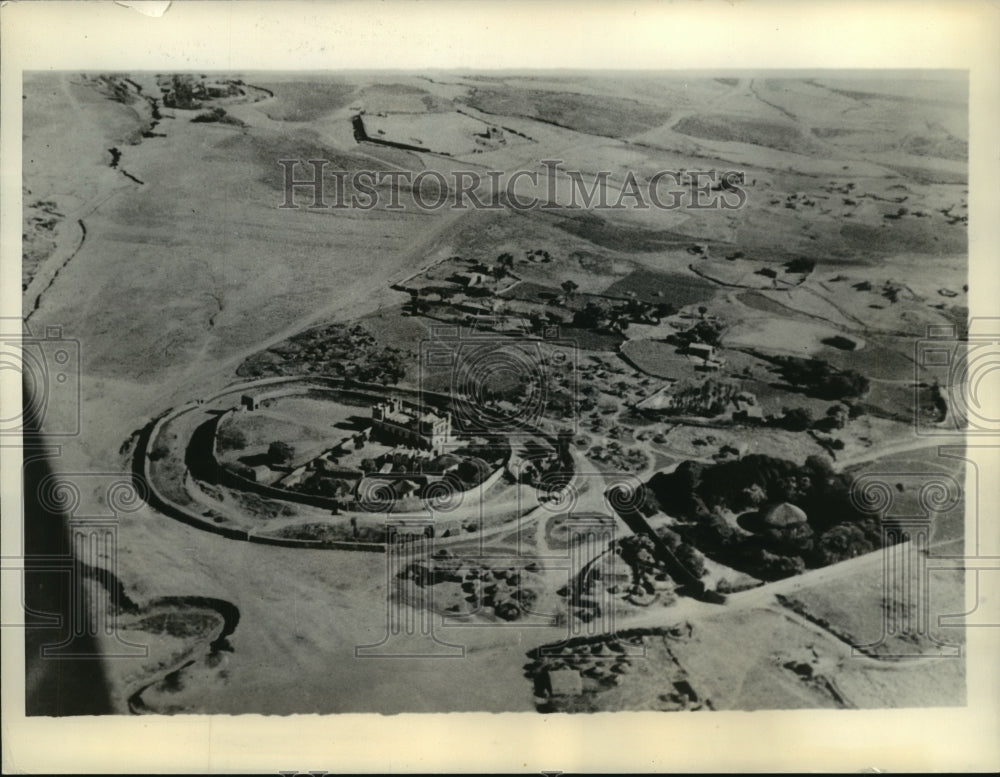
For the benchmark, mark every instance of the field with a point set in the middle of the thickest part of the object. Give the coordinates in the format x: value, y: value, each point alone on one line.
x: 776, y: 334
x: 783, y: 136
x: 658, y: 359
x: 446, y: 133
x: 649, y: 286
x: 308, y: 425
x: 613, y: 117
x: 306, y: 101
x: 882, y: 623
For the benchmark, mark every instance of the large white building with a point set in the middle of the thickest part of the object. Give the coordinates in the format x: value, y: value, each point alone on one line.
x: 404, y: 425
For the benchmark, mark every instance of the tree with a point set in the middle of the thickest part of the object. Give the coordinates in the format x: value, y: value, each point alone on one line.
x: 618, y: 322
x: 838, y: 414
x: 592, y: 316
x: 570, y: 288
x: 818, y: 378
x: 754, y: 495
x: 855, y: 410
x: 820, y: 466
x: 836, y: 418
x: 770, y: 566
x: 800, y: 265
x: 795, y: 419
x: 692, y: 560
x: 473, y: 471
x: 181, y: 94
x: 230, y: 438
x: 536, y: 321
x: 280, y: 452
x: 498, y: 271
x: 843, y: 541
x: 709, y: 332
x: 715, y: 532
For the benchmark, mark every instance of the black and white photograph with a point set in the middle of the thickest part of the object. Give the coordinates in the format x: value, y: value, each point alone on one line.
x: 552, y: 390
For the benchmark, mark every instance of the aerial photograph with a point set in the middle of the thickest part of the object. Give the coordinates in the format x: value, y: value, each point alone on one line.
x: 494, y: 391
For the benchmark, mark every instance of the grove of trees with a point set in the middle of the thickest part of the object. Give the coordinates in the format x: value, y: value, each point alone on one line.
x: 699, y: 495
x: 818, y: 378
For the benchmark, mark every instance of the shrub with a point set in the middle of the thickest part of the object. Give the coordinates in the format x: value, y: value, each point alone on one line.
x: 771, y: 566
x: 795, y: 419
x: 818, y: 378
x: 230, y: 438
x: 800, y: 265
x: 843, y: 541
x: 280, y: 452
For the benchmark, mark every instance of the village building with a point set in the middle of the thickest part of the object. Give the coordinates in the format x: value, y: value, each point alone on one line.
x: 399, y: 424
x: 472, y: 279
x: 701, y: 350
x: 261, y: 473
x: 746, y: 407
x: 707, y: 354
x: 255, y: 401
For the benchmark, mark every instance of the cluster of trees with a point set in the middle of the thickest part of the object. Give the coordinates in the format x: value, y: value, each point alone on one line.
x: 320, y: 483
x: 706, y: 399
x: 550, y: 472
x: 615, y: 317
x: 280, y: 453
x: 230, y: 438
x: 705, y: 331
x: 832, y: 530
x: 555, y: 384
x: 183, y: 93
x: 492, y: 450
x: 820, y: 379
x: 801, y: 419
x: 470, y: 472
x: 117, y: 89
x: 336, y: 350
x: 685, y: 552
x: 218, y: 115
x: 639, y: 552
x: 504, y: 591
x: 401, y: 462
x: 622, y: 459
x: 794, y: 419
x: 187, y: 93
x: 800, y: 265
x: 462, y: 471
x: 553, y: 470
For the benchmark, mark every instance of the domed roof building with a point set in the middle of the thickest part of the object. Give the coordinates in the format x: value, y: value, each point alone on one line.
x: 783, y: 514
